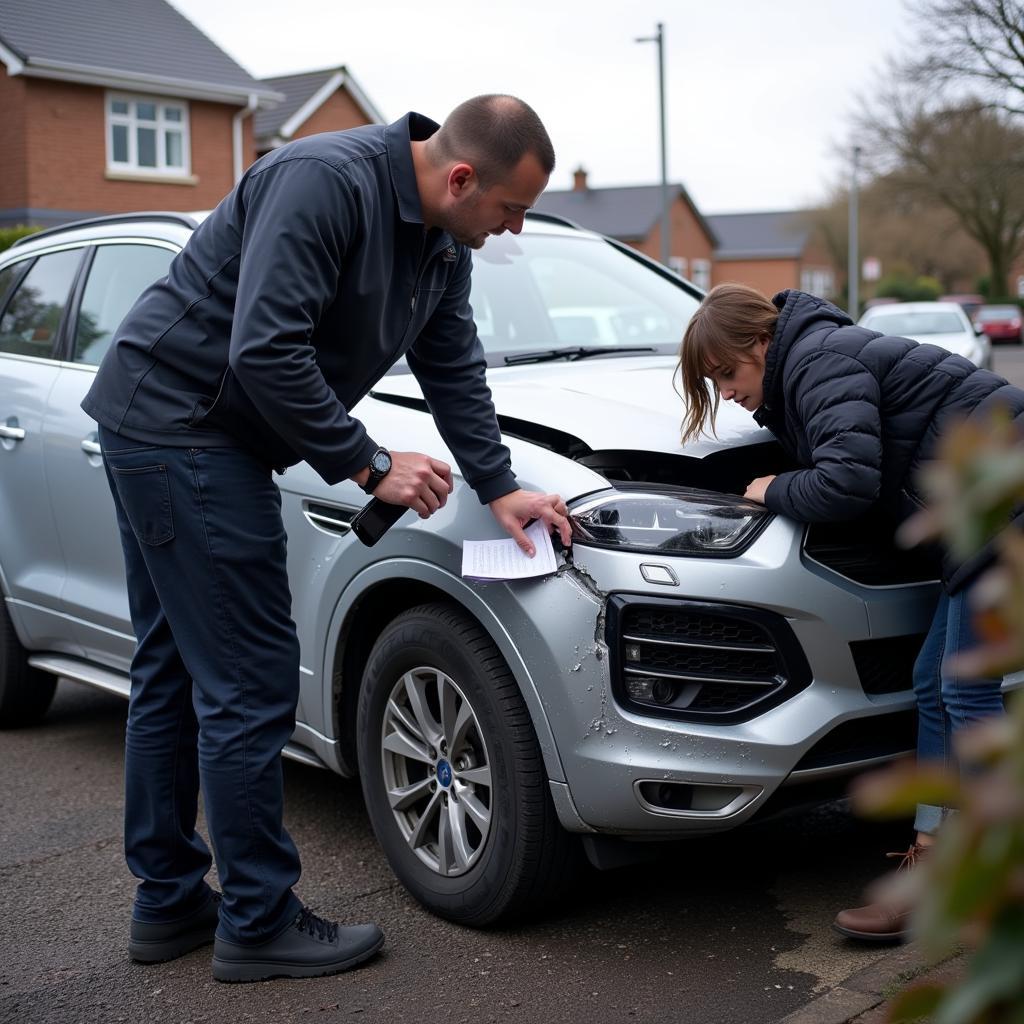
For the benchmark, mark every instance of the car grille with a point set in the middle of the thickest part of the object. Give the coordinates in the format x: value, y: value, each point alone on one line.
x: 865, y: 553
x: 886, y: 665
x: 699, y: 662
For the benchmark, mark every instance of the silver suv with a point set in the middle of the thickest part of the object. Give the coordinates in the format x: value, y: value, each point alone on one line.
x: 694, y: 662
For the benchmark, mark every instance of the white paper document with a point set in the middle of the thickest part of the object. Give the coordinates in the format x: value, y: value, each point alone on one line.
x: 505, y: 560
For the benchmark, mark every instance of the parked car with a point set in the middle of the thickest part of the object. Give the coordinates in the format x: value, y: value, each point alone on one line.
x: 967, y: 301
x: 1001, y: 323
x: 696, y: 663
x: 938, y: 323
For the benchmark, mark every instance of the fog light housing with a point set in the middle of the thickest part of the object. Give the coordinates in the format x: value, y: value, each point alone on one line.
x: 663, y: 691
x: 641, y: 687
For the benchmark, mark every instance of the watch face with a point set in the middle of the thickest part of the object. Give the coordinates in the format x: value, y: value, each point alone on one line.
x: 380, y: 463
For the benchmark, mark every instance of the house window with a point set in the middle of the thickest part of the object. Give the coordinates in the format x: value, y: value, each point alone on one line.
x: 147, y: 135
x: 701, y: 275
x: 818, y: 282
x: 678, y: 264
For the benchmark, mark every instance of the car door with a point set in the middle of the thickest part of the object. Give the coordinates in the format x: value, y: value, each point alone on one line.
x: 94, y: 593
x: 31, y: 560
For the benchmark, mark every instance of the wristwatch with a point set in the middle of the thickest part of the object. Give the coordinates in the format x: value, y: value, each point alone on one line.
x: 380, y: 466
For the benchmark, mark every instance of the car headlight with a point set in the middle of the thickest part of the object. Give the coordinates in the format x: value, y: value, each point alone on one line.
x: 670, y: 520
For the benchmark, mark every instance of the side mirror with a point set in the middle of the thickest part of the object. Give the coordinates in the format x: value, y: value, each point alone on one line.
x: 978, y: 329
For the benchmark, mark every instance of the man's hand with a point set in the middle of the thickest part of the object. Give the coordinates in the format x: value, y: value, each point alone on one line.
x: 416, y: 481
x: 515, y: 509
x: 756, y: 488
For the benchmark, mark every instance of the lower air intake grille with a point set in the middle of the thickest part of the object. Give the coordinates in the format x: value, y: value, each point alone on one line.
x: 701, y: 662
x: 886, y: 665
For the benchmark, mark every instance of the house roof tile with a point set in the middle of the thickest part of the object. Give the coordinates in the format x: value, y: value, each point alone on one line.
x: 149, y: 38
x: 296, y: 89
x: 774, y: 235
x: 628, y: 213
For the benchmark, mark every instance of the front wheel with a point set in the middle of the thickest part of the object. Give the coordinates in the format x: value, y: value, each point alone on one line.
x: 25, y: 692
x: 452, y: 773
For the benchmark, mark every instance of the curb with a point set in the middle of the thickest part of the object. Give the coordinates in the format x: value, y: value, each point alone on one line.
x: 865, y: 989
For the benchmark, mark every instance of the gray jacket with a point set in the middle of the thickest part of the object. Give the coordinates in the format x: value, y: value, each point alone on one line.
x: 291, y: 300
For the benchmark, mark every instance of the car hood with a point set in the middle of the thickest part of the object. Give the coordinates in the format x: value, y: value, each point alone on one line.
x: 610, y: 404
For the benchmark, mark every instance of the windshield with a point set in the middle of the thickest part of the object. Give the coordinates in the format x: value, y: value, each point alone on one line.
x: 534, y: 292
x: 998, y: 312
x: 904, y: 324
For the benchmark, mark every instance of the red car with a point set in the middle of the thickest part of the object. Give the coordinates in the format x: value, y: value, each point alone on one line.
x: 1000, y: 323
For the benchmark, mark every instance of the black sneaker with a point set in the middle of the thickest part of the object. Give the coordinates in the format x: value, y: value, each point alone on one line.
x: 308, y: 948
x: 155, y: 943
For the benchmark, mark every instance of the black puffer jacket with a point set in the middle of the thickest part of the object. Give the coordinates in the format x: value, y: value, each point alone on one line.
x: 863, y: 411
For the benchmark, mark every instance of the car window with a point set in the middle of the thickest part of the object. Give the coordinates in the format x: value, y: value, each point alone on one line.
x: 996, y: 312
x: 901, y: 324
x: 32, y: 317
x: 119, y: 274
x: 7, y: 278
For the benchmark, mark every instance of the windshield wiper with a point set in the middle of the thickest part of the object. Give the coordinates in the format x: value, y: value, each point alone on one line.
x: 572, y: 353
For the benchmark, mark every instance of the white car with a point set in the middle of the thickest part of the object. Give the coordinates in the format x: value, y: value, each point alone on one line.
x: 936, y: 323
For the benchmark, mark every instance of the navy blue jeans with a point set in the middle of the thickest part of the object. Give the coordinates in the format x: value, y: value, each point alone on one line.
x: 214, y: 682
x: 947, y: 700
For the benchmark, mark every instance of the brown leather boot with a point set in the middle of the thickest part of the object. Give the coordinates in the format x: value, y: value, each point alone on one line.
x: 886, y: 921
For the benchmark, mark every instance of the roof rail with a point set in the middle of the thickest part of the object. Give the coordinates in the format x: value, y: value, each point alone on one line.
x: 554, y: 218
x: 114, y: 218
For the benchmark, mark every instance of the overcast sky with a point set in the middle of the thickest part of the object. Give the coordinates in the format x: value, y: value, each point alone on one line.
x: 758, y: 91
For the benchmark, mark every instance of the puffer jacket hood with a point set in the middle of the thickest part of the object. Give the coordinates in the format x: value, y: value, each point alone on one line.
x: 799, y: 314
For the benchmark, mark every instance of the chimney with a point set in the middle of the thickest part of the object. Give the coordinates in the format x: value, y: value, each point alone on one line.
x: 579, y: 180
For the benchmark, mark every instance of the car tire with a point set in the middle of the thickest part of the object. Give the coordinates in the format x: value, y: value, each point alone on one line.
x: 25, y: 692
x: 475, y: 839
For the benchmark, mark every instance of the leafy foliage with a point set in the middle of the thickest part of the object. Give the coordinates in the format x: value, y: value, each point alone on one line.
x: 8, y: 236
x: 971, y: 890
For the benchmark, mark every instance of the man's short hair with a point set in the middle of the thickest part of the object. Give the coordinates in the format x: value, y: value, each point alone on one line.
x: 493, y: 133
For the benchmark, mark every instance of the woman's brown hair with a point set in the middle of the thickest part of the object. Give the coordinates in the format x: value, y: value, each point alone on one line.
x: 723, y: 332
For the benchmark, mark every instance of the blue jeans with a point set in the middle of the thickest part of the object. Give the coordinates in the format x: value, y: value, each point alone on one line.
x: 946, y: 700
x: 214, y: 682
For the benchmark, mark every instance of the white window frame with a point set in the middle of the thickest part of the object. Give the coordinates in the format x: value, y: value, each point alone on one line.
x: 700, y: 273
x: 818, y: 281
x: 162, y: 125
x: 678, y: 264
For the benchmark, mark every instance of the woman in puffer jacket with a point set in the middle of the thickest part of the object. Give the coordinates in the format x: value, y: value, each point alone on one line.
x: 860, y: 413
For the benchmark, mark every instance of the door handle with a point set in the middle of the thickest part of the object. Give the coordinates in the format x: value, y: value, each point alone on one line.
x: 12, y: 433
x: 91, y: 447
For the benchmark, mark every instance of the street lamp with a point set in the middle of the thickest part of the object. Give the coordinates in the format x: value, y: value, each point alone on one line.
x: 853, y: 256
x: 666, y: 223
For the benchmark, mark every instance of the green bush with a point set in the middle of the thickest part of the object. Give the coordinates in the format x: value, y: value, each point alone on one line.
x: 908, y: 288
x: 8, y: 236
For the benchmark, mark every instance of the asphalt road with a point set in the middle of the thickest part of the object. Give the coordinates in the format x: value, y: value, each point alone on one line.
x: 728, y: 930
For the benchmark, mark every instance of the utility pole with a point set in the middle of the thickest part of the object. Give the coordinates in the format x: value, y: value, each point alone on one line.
x: 666, y: 209
x: 853, y: 257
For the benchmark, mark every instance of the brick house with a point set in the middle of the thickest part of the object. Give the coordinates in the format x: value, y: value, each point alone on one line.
x: 770, y: 252
x: 316, y: 101
x: 111, y: 107
x: 632, y: 214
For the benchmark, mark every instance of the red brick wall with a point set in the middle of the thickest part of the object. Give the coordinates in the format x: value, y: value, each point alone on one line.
x: 66, y: 163
x: 767, y: 276
x: 13, y: 169
x: 337, y: 113
x: 688, y: 239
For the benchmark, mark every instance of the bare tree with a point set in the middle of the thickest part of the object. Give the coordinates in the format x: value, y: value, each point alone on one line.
x: 967, y: 157
x: 976, y: 43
